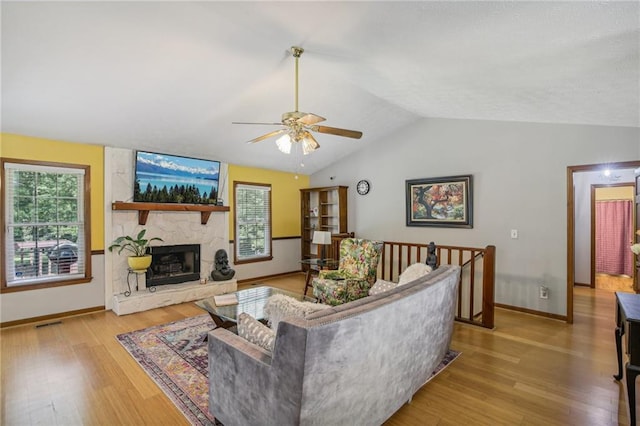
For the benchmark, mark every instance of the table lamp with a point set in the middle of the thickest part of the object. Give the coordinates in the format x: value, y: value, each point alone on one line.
x: 322, y: 238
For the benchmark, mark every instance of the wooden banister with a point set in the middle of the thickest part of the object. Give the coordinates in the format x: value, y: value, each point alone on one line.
x: 488, y: 292
x: 396, y: 256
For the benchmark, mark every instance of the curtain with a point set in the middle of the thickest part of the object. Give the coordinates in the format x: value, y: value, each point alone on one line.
x: 614, y: 233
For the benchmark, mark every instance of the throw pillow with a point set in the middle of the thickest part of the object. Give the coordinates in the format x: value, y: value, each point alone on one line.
x: 256, y: 332
x: 413, y: 272
x: 280, y: 306
x: 381, y: 286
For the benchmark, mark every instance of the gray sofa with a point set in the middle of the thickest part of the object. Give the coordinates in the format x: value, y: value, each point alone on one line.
x: 352, y: 364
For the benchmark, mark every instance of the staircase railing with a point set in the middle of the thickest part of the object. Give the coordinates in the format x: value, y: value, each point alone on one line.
x: 476, y: 302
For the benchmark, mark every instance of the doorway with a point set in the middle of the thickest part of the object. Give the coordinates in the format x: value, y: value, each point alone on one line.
x: 612, y: 228
x: 576, y: 252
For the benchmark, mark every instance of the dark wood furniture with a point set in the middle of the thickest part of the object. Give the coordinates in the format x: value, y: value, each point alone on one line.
x: 628, y: 323
x: 321, y: 209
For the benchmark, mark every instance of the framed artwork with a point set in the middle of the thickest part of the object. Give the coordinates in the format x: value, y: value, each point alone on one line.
x: 443, y: 202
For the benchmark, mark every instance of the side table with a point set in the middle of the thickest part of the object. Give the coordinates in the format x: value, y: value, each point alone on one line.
x: 628, y: 322
x: 315, y: 266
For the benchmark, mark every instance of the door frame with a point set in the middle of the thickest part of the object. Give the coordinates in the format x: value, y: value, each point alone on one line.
x: 571, y: 220
x: 593, y: 222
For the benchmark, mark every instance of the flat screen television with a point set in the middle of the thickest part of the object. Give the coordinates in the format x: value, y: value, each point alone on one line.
x: 164, y: 178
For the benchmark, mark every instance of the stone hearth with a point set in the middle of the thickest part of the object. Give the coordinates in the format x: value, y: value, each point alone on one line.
x: 170, y: 294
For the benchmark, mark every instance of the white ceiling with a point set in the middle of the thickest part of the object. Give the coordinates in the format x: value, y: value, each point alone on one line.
x: 172, y: 76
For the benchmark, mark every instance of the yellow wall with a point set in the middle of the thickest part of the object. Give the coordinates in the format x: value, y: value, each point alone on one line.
x: 615, y: 193
x: 285, y: 197
x: 285, y: 188
x: 38, y: 149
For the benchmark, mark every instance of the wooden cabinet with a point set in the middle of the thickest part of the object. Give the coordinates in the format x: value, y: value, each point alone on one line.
x: 322, y: 209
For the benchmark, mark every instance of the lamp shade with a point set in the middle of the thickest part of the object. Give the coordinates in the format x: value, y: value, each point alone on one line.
x: 321, y: 237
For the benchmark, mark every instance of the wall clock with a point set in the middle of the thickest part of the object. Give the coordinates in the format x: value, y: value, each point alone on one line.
x: 363, y: 187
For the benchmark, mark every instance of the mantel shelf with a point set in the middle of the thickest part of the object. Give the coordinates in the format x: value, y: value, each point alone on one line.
x: 144, y: 209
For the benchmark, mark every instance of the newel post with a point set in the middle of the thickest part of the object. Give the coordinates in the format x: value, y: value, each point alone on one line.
x: 488, y: 286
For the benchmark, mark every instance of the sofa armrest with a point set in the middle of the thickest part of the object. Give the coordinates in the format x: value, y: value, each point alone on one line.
x: 247, y: 384
x: 226, y: 341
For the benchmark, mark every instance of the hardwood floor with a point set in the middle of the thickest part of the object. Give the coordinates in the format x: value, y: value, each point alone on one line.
x: 528, y: 371
x: 614, y: 282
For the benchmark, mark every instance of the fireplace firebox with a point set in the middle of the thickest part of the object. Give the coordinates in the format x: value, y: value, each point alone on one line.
x: 173, y: 264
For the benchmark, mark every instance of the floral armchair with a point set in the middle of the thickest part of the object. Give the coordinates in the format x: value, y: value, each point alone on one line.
x: 356, y: 273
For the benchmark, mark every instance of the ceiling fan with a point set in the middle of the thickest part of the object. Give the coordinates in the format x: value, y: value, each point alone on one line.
x: 298, y: 125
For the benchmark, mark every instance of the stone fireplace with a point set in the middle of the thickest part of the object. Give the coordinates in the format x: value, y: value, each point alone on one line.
x: 176, y: 228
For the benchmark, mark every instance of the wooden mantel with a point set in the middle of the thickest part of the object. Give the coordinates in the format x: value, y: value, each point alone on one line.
x: 144, y: 209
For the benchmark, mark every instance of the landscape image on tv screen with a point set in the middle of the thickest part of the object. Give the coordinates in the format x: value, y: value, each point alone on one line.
x: 163, y: 178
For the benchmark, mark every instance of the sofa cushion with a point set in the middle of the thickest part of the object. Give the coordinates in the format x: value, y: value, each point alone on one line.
x: 381, y: 286
x: 413, y: 272
x: 280, y: 306
x: 255, y: 332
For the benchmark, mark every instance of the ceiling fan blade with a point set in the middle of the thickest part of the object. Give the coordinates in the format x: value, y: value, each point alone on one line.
x: 338, y: 132
x: 264, y: 124
x: 268, y: 135
x: 311, y: 119
x: 297, y: 124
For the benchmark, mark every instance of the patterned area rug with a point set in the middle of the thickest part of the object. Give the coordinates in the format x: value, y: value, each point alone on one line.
x: 175, y: 356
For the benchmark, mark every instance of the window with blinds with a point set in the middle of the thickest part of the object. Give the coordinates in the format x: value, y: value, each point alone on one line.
x: 45, y: 228
x: 252, y: 206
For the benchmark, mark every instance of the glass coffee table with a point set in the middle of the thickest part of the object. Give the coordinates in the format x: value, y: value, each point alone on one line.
x: 250, y: 301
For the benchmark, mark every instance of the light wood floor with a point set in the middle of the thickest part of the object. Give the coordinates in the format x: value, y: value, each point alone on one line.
x: 614, y: 282
x: 528, y: 371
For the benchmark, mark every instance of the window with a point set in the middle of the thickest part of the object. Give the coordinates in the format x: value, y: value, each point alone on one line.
x: 252, y: 222
x: 46, y: 239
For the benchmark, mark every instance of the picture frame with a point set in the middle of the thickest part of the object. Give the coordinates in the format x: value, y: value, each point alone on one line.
x: 445, y: 202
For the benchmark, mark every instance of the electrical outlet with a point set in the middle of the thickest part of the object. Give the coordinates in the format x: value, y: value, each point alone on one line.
x: 514, y: 234
x: 544, y: 292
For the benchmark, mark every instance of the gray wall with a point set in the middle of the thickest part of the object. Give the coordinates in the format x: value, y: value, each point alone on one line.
x: 519, y: 172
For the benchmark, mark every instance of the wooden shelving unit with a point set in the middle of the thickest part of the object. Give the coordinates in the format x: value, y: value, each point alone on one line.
x: 321, y: 209
x: 144, y: 209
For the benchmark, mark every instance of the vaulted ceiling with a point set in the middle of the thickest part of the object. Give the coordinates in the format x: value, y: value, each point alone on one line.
x: 173, y: 76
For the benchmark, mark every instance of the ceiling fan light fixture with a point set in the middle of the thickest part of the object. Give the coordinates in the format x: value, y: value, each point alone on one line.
x: 284, y: 143
x: 309, y: 144
x: 298, y: 124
